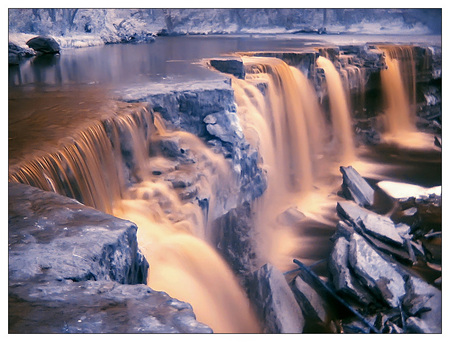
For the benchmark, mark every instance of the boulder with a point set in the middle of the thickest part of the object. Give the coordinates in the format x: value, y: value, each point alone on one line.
x: 357, y: 187
x: 45, y: 45
x: 232, y: 65
x: 376, y: 273
x: 274, y: 302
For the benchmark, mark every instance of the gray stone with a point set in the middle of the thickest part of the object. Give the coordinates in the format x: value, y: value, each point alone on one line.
x: 376, y: 225
x: 44, y: 45
x: 231, y: 65
x: 53, y: 236
x: 343, y: 281
x: 358, y: 188
x: 274, y: 302
x: 311, y: 303
x: 225, y: 126
x: 424, y: 301
x: 97, y: 307
x: 376, y: 273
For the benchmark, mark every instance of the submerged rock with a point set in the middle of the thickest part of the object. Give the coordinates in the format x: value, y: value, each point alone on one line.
x: 357, y: 187
x: 274, y: 302
x: 44, y: 45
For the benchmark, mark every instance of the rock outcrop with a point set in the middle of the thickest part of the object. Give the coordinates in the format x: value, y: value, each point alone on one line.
x: 75, y: 269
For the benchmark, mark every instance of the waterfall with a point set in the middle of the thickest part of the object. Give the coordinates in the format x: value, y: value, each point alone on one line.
x: 340, y: 111
x: 280, y: 115
x: 398, y: 84
x: 118, y: 166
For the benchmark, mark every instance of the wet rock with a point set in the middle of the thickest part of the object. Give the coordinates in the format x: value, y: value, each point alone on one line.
x: 45, y: 45
x: 274, y: 302
x: 376, y: 273
x: 376, y: 225
x: 311, y: 303
x: 224, y: 126
x: 232, y: 65
x: 232, y: 235
x: 343, y: 280
x: 425, y: 302
x: 97, y: 307
x: 357, y: 187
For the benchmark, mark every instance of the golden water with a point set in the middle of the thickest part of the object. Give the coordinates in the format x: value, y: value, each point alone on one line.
x: 340, y: 111
x: 171, y: 233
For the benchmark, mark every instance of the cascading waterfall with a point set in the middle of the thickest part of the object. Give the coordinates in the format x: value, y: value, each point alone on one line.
x: 340, y: 112
x: 288, y: 128
x: 399, y: 90
x: 108, y: 167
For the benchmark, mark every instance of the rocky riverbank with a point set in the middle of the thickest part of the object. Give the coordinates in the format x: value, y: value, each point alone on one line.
x: 77, y: 270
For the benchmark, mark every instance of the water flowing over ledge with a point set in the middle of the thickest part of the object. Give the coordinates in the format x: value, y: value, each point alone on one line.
x: 198, y: 156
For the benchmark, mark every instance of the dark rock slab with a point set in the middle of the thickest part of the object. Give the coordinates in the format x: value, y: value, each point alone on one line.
x: 94, y: 307
x: 232, y: 236
x: 44, y: 45
x: 357, y: 187
x: 376, y: 273
x: 229, y: 65
x: 274, y: 302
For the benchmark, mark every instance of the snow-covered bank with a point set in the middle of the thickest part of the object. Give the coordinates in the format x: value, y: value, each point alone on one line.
x: 88, y: 27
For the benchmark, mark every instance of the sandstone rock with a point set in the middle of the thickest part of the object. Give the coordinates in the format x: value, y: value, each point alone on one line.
x: 357, y: 187
x: 274, y: 302
x: 44, y: 45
